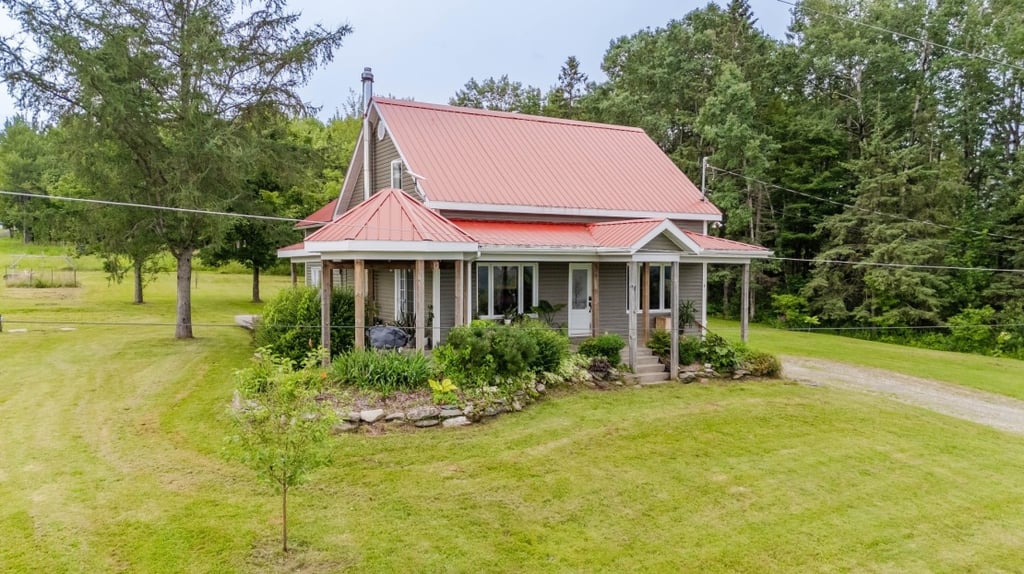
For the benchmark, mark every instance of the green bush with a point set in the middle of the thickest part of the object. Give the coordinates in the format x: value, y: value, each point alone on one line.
x: 970, y: 331
x: 269, y: 367
x: 385, y: 372
x: 660, y: 343
x: 719, y: 353
x: 485, y: 354
x: 761, y: 364
x: 552, y: 346
x: 290, y: 323
x: 608, y: 346
x: 791, y: 312
x: 689, y: 350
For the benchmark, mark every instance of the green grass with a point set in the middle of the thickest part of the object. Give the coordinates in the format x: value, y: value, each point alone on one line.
x: 111, y: 462
x: 993, y: 374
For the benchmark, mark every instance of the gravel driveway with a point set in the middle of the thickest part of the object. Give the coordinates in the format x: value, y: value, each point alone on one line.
x: 989, y: 409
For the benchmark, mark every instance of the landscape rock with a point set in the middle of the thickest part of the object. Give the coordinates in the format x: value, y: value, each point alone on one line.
x: 396, y: 416
x: 371, y: 416
x: 353, y: 417
x: 450, y: 413
x: 516, y: 405
x: 456, y: 422
x: 387, y: 337
x: 424, y: 423
x: 540, y: 388
x: 420, y: 413
x: 687, y: 377
x: 344, y: 427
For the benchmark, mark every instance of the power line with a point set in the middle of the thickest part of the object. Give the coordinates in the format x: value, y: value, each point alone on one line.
x: 902, y: 35
x: 148, y: 206
x: 905, y: 327
x: 899, y: 265
x: 866, y: 210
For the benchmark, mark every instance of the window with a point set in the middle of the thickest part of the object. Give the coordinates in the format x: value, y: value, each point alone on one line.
x: 314, y: 275
x: 660, y: 292
x: 505, y: 289
x: 396, y: 174
x: 404, y: 303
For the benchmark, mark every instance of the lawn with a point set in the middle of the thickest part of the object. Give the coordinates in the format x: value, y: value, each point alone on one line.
x: 993, y: 374
x: 112, y: 462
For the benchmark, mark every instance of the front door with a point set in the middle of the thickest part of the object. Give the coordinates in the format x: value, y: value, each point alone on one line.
x: 580, y: 303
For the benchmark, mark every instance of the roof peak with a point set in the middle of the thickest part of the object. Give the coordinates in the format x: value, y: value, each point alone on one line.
x: 499, y: 114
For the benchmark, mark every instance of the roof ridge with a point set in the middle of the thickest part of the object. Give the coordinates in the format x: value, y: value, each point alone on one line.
x: 507, y: 115
x: 628, y: 221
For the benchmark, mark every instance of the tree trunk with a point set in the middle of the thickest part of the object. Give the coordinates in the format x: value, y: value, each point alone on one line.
x: 284, y: 518
x: 183, y: 321
x: 137, y: 269
x: 255, y: 284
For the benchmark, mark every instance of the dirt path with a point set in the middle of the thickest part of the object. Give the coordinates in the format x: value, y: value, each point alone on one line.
x: 996, y: 411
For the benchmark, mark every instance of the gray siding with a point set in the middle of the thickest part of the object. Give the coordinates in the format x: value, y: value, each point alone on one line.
x: 357, y: 191
x: 384, y: 280
x: 689, y: 225
x: 447, y: 311
x: 691, y: 288
x: 661, y: 243
x: 553, y: 287
x: 612, y: 306
x: 384, y: 152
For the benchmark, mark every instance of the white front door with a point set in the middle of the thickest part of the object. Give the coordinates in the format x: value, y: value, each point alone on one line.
x: 580, y: 304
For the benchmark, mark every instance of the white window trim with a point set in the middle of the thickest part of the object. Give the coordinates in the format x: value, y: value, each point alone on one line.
x: 399, y: 276
x: 490, y: 286
x: 315, y: 275
x: 661, y: 292
x: 397, y: 164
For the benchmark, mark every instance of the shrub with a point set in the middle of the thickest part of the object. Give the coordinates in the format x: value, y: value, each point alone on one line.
x: 761, y: 364
x: 290, y: 324
x: 552, y: 346
x: 608, y: 346
x: 660, y: 343
x: 970, y: 331
x: 689, y: 350
x: 719, y: 353
x: 269, y: 368
x: 385, y: 372
x: 484, y: 354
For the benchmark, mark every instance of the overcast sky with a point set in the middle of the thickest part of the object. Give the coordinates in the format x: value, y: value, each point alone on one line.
x: 428, y: 49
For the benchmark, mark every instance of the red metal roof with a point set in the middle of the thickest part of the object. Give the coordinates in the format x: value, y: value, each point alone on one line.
x: 295, y: 247
x: 464, y: 155
x: 623, y: 234
x: 319, y: 217
x: 390, y: 215
x: 711, y: 243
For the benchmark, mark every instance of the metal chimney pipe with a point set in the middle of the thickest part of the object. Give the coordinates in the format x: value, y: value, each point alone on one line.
x: 367, y: 78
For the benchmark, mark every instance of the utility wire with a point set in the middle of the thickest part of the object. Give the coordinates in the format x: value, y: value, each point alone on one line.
x: 866, y: 210
x: 904, y: 327
x: 803, y: 6
x: 147, y: 206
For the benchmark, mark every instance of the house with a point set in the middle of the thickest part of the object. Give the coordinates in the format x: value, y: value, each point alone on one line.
x: 450, y: 214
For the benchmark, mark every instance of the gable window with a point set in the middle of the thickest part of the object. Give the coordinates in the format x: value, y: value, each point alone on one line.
x: 396, y: 174
x: 504, y: 289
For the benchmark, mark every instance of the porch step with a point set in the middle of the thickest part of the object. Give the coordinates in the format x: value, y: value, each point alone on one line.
x: 649, y: 379
x: 648, y: 369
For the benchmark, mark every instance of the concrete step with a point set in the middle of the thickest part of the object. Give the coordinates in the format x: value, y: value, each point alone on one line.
x: 648, y: 379
x: 643, y: 369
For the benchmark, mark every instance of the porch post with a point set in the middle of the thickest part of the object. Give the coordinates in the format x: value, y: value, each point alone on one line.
x: 326, y: 284
x: 745, y: 303
x: 470, y: 286
x: 293, y: 276
x: 595, y: 309
x: 673, y: 364
x: 633, y: 303
x: 435, y: 296
x: 420, y: 305
x: 645, y: 297
x: 359, y: 284
x: 460, y: 291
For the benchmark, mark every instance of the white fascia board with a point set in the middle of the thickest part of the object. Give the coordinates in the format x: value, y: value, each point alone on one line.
x: 567, y: 211
x: 656, y: 257
x: 391, y: 248
x: 294, y: 254
x: 348, y: 185
x: 732, y: 257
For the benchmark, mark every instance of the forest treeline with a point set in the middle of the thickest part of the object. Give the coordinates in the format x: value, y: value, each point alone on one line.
x: 877, y: 134
x: 875, y: 149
